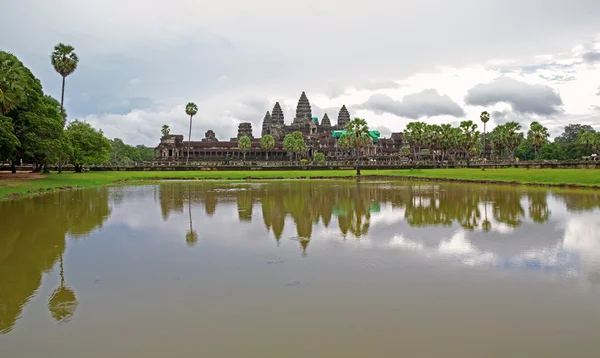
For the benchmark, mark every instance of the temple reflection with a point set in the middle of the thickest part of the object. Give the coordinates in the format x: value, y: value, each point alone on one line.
x: 352, y: 204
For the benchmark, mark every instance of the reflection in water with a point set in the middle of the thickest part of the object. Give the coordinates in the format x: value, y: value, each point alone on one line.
x: 422, y: 260
x: 33, y: 240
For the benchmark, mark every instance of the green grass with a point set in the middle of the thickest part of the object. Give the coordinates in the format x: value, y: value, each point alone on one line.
x: 583, y: 177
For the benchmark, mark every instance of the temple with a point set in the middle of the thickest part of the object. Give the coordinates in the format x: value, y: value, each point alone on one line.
x: 320, y: 136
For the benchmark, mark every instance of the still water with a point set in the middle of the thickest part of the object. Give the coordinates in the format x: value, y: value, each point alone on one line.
x: 301, y: 269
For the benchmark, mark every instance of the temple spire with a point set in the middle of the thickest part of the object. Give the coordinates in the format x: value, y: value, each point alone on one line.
x: 303, y: 111
x: 277, y: 122
x: 343, y: 117
x: 325, y: 121
x: 266, y: 125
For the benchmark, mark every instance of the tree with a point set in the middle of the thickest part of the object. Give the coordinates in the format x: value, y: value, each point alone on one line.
x: 267, y: 143
x: 319, y: 157
x: 415, y: 136
x: 538, y: 137
x: 8, y: 140
x: 190, y: 109
x: 433, y: 134
x: 447, y: 139
x: 469, y: 138
x: 512, y: 138
x: 289, y: 144
x: 89, y: 145
x: 165, y: 130
x: 244, y: 144
x: 357, y: 137
x: 64, y: 60
x: 485, y: 117
x: 12, y: 83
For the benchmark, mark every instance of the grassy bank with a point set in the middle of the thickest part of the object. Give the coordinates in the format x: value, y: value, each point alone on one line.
x: 10, y: 188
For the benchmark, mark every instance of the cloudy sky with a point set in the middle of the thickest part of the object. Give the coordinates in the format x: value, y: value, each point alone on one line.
x: 389, y: 61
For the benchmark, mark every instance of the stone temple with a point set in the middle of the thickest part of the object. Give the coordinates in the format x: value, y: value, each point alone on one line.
x: 318, y: 135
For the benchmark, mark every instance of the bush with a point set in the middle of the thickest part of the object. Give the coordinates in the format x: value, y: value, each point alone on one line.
x: 319, y: 157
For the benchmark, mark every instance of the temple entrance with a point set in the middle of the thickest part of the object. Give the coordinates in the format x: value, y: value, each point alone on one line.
x: 170, y: 152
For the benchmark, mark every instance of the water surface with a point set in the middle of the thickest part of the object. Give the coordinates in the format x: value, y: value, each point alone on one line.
x: 301, y: 269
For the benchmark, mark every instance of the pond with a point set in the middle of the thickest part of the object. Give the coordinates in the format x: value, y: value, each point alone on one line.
x: 301, y: 269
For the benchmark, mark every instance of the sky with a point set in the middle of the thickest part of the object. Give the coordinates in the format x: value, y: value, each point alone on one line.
x: 390, y: 62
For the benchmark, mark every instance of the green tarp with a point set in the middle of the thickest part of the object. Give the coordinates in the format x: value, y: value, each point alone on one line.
x: 373, y: 134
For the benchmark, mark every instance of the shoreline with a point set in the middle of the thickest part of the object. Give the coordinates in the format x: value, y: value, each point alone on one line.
x: 11, y: 189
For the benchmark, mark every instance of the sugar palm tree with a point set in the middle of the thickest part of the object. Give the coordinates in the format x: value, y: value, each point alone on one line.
x: 64, y: 60
x: 63, y: 302
x: 12, y: 86
x: 469, y: 138
x: 357, y: 137
x: 267, y: 143
x: 165, y: 130
x: 538, y: 137
x: 190, y: 109
x: 485, y: 117
x: 244, y: 144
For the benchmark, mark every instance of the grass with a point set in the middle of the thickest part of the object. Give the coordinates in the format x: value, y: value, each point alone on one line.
x: 572, y: 177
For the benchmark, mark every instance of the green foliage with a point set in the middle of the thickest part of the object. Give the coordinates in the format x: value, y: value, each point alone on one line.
x: 469, y: 138
x: 244, y: 144
x: 191, y: 109
x: 64, y: 59
x: 484, y: 116
x: 289, y: 143
x: 165, y: 130
x: 8, y: 140
x: 356, y: 135
x: 124, y: 154
x: 537, y: 136
x: 267, y: 143
x: 319, y: 157
x: 42, y: 137
x: 13, y: 91
x: 414, y: 134
x: 89, y: 145
x: 525, y: 151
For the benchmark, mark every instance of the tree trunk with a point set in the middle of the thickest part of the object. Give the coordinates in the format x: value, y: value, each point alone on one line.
x: 442, y: 162
x: 64, y: 121
x: 78, y: 168
x: 357, y: 164
x: 468, y: 159
x: 267, y: 155
x: 189, y: 142
x: 13, y: 166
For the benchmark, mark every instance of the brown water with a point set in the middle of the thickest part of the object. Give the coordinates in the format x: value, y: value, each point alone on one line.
x: 301, y: 269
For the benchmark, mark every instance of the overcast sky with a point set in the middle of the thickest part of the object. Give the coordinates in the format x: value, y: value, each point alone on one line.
x: 389, y: 61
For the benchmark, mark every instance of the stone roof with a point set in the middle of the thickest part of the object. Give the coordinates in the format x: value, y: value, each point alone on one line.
x: 266, y: 125
x: 303, y: 110
x: 325, y: 121
x: 343, y: 117
x: 277, y: 114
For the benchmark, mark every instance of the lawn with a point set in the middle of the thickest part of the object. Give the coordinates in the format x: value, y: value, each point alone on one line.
x: 14, y: 186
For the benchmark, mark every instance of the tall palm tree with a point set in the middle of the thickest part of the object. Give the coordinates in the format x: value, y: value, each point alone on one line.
x: 191, y: 237
x: 165, y: 130
x: 190, y: 109
x: 64, y: 60
x: 469, y: 138
x: 63, y: 302
x: 244, y: 144
x: 537, y: 136
x: 485, y: 117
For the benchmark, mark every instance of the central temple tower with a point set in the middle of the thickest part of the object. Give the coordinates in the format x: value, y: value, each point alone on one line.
x: 303, y: 112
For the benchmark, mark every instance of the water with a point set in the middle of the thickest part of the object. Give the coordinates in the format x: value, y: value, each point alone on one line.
x: 301, y: 269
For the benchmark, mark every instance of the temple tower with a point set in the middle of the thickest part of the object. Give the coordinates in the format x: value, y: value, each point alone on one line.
x: 266, y: 125
x: 343, y: 117
x: 303, y: 111
x: 277, y: 122
x: 245, y: 129
x: 325, y: 121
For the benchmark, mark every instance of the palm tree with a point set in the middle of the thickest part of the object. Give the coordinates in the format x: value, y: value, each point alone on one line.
x: 512, y: 138
x: 190, y: 109
x: 12, y: 91
x: 469, y: 138
x: 538, y: 137
x: 191, y: 237
x: 357, y: 137
x: 64, y: 60
x: 244, y: 144
x: 446, y: 139
x: 433, y: 133
x: 485, y: 117
x: 267, y: 143
x: 289, y: 143
x: 63, y: 302
x: 165, y: 130
x: 415, y: 136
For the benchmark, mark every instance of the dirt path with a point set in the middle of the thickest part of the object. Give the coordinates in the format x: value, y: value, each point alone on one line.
x: 6, y: 175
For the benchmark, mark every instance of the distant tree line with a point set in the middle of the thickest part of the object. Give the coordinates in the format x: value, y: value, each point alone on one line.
x: 508, y: 141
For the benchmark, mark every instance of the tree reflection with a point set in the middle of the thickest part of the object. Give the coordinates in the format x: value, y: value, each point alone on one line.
x: 33, y: 240
x: 311, y: 203
x: 191, y: 237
